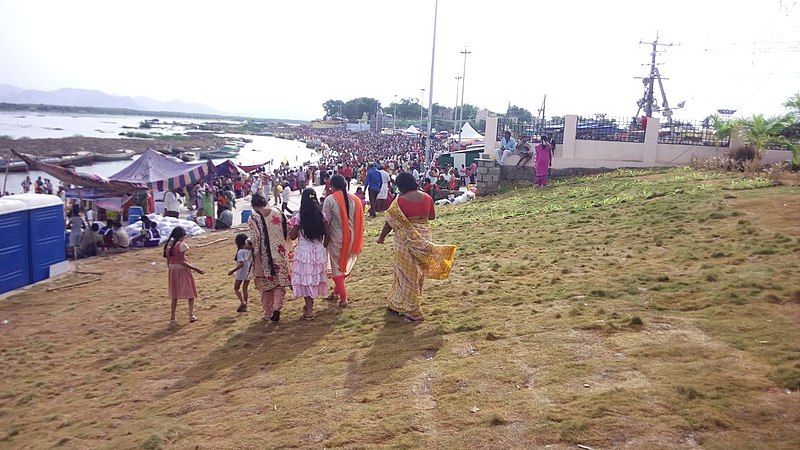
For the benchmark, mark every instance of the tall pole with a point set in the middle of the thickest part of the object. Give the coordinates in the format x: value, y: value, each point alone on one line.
x: 394, y: 116
x: 377, y: 116
x: 463, y: 82
x: 428, y: 161
x: 455, y: 108
x: 421, y: 106
x: 648, y: 106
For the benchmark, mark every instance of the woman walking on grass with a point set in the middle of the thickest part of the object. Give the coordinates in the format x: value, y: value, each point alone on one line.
x: 270, y: 268
x: 345, y: 237
x: 415, y: 256
x: 310, y: 264
x: 181, y: 281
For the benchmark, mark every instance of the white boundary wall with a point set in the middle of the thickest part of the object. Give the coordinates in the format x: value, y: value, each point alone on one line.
x: 577, y: 153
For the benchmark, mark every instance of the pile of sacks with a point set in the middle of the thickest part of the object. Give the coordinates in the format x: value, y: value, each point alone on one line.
x: 453, y: 200
x: 165, y: 227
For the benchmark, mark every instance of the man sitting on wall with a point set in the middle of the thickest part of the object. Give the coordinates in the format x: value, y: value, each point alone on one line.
x: 525, y: 151
x: 507, y: 147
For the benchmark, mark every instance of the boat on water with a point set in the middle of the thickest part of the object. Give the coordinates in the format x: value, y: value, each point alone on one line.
x: 78, y: 159
x: 13, y: 166
x: 217, y: 154
x: 119, y: 155
x: 188, y: 156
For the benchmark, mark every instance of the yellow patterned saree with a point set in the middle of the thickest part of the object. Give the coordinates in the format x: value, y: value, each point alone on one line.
x: 415, y: 258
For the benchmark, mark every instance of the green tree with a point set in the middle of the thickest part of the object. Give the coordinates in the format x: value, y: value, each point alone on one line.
x: 522, y: 114
x: 406, y: 109
x: 793, y: 104
x: 762, y: 132
x: 355, y: 108
x: 723, y: 129
x: 333, y: 108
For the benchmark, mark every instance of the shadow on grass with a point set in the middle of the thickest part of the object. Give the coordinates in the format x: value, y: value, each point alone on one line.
x: 260, y: 345
x: 396, y: 344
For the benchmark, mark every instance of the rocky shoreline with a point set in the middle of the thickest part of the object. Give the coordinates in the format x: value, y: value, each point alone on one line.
x: 71, y: 145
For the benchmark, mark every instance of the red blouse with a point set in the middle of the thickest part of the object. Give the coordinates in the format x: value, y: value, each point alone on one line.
x: 416, y: 209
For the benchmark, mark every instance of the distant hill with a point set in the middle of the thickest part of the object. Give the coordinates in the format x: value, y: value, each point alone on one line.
x: 93, y: 98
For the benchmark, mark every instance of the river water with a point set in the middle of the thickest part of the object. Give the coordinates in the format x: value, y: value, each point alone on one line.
x: 24, y: 124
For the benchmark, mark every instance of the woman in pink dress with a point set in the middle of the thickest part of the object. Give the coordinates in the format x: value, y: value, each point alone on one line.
x: 543, y: 154
x: 310, y: 264
x: 181, y: 281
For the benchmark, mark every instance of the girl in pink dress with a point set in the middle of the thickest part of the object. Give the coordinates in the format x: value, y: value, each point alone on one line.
x: 310, y: 266
x: 181, y: 281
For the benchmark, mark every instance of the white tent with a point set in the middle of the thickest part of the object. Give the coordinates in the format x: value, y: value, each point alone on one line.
x: 411, y: 130
x: 469, y: 134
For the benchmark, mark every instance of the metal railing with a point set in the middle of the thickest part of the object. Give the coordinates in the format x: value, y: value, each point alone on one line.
x: 554, y: 128
x: 616, y: 129
x: 690, y: 133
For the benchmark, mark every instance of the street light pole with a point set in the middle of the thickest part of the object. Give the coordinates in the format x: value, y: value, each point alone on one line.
x: 455, y: 108
x: 394, y: 116
x: 428, y: 161
x: 421, y: 106
x: 463, y: 82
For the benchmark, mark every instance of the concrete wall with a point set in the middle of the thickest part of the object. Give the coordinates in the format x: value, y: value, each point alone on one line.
x: 581, y: 154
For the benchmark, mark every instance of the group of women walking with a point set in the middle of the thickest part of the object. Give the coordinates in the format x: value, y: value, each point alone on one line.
x: 340, y: 234
x: 330, y: 237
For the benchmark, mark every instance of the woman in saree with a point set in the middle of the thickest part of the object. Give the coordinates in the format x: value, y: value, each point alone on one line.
x: 344, y: 239
x: 415, y: 256
x: 270, y: 268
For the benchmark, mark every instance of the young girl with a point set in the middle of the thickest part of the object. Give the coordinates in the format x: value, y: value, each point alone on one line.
x: 181, y: 281
x: 244, y: 257
x: 309, y: 270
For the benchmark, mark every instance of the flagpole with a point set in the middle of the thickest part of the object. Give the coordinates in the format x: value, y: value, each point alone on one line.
x: 428, y: 155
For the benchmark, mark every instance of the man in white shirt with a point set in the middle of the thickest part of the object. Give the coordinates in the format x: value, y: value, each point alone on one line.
x: 172, y: 204
x: 507, y: 147
x: 383, y: 194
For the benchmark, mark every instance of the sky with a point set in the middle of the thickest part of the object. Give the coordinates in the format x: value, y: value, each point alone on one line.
x: 283, y: 59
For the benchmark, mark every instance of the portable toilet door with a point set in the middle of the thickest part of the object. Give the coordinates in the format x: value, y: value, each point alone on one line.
x: 14, y: 256
x: 46, y: 232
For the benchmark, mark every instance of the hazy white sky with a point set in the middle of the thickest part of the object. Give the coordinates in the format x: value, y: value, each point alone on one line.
x: 284, y: 58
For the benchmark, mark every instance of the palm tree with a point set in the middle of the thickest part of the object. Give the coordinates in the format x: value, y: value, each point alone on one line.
x: 793, y: 104
x: 762, y: 132
x: 723, y: 129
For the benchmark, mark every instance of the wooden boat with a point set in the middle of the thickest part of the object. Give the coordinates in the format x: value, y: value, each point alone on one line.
x: 188, y: 156
x: 13, y: 166
x: 120, y: 155
x: 217, y: 155
x: 78, y: 159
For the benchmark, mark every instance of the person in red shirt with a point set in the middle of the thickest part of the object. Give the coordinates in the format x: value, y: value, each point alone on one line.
x: 237, y: 188
x: 347, y: 173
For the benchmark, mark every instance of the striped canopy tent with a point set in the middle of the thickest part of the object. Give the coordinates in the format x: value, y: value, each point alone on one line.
x: 162, y: 173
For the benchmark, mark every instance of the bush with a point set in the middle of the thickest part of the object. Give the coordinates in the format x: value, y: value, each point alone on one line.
x: 742, y: 154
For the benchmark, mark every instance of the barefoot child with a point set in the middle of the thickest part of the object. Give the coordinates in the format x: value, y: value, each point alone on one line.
x: 181, y: 281
x: 244, y: 257
x: 309, y: 269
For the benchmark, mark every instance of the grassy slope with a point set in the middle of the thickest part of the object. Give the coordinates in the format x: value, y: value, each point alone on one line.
x: 538, y: 327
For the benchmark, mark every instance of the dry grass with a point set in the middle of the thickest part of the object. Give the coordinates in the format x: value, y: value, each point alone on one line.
x: 640, y: 309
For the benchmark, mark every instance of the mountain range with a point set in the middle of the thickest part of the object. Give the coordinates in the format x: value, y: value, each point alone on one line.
x: 93, y: 98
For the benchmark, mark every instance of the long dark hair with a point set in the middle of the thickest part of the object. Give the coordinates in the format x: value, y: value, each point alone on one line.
x: 177, y: 234
x: 311, y: 221
x: 258, y: 201
x: 340, y: 184
x: 241, y: 240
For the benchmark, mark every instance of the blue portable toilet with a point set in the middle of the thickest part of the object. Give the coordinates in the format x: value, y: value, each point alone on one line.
x: 246, y: 215
x: 14, y: 253
x: 45, y: 234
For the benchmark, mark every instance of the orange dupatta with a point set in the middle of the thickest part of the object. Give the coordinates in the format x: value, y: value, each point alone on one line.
x: 357, y: 245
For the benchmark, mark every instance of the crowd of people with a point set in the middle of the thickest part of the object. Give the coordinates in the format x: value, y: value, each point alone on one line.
x: 361, y: 175
x: 329, y: 233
